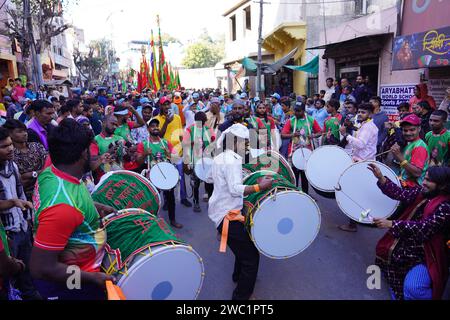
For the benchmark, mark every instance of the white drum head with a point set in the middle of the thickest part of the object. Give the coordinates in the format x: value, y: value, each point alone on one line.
x: 170, y: 273
x: 325, y: 166
x: 300, y: 157
x: 358, y: 184
x: 164, y: 176
x: 285, y: 224
x: 203, y: 167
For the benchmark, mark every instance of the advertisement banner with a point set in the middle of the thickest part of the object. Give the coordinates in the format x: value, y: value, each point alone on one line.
x: 437, y: 89
x: 422, y: 50
x: 392, y: 95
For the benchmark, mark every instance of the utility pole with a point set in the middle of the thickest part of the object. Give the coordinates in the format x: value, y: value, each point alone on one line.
x: 260, y: 40
x: 30, y: 38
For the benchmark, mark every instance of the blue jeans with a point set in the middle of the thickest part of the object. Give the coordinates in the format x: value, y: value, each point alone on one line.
x: 182, y: 183
x: 417, y: 285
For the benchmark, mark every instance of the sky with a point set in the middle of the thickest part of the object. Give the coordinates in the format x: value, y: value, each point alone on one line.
x: 126, y: 20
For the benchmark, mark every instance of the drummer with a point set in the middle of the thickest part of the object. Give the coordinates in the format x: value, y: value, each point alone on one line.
x: 264, y: 126
x: 69, y: 240
x: 227, y: 203
x: 363, y: 143
x: 157, y: 149
x: 196, y: 139
x: 331, y: 125
x: 301, y: 129
x: 415, y: 157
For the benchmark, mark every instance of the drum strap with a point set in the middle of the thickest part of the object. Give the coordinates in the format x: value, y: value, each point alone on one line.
x: 233, y: 215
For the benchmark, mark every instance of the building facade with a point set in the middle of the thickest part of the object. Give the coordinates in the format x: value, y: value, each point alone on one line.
x: 369, y: 46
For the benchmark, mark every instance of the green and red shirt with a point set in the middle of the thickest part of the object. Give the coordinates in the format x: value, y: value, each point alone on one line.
x: 332, y: 124
x: 66, y: 220
x: 417, y: 154
x: 124, y: 131
x: 438, y: 144
x: 197, y: 139
x: 161, y: 150
x: 306, y: 126
x: 4, y: 240
x: 103, y: 142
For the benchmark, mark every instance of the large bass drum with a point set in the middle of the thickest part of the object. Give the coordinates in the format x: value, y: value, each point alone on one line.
x: 324, y: 167
x: 282, y: 221
x: 149, y: 261
x: 358, y: 195
x: 272, y: 161
x: 126, y: 189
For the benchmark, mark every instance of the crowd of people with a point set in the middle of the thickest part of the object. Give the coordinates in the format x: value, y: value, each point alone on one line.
x: 54, y: 149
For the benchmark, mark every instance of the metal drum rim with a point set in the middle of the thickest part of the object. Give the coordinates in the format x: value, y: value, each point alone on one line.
x: 397, y: 182
x: 160, y: 249
x: 306, y: 171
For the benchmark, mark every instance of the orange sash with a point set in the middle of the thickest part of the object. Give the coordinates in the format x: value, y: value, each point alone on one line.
x: 233, y: 215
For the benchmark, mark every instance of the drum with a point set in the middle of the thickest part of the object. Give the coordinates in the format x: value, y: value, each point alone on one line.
x: 164, y: 176
x: 273, y: 161
x: 300, y: 157
x: 358, y: 195
x: 283, y: 221
x: 148, y: 259
x: 202, y: 168
x: 324, y: 167
x: 126, y: 189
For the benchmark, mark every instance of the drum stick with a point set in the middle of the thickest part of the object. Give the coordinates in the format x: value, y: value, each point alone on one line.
x: 380, y: 154
x: 292, y: 141
x: 114, y: 292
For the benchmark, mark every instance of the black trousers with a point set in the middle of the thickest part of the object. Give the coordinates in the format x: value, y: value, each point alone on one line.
x: 304, y: 182
x: 209, y: 187
x: 247, y: 259
x: 169, y: 197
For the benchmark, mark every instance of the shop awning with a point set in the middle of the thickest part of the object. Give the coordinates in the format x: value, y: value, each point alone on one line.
x: 311, y: 67
x: 251, y: 66
x: 356, y: 46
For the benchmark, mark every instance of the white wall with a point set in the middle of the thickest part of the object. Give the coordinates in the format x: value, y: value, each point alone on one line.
x: 247, y: 41
x: 198, y: 78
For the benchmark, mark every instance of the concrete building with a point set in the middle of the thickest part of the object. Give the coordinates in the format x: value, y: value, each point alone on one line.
x: 367, y: 46
x: 287, y: 26
x: 8, y: 60
x: 57, y: 60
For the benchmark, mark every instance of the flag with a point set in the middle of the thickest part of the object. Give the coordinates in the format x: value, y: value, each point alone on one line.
x: 139, y: 82
x: 155, y: 77
x: 124, y: 86
x: 143, y: 83
x: 178, y: 80
x: 166, y: 75
x: 162, y: 61
x: 172, y: 79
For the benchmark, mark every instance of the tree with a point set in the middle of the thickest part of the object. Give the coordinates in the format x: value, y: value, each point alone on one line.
x: 35, y: 30
x: 205, y: 53
x: 93, y: 65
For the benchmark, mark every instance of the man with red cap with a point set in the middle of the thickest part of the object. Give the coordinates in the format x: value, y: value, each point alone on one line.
x: 414, y: 159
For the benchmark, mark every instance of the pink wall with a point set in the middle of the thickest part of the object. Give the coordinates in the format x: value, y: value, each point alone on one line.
x: 431, y: 14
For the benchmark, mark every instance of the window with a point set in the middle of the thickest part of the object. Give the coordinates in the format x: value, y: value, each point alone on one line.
x: 60, y: 51
x: 248, y: 18
x: 54, y: 49
x: 360, y: 7
x: 233, y: 28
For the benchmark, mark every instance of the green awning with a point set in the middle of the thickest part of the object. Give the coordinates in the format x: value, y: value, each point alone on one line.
x: 249, y: 64
x: 311, y: 67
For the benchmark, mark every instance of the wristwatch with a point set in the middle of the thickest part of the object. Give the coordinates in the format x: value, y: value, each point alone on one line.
x: 34, y: 174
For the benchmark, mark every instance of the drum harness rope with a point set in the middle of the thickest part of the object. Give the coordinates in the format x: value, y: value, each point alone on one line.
x: 364, y: 213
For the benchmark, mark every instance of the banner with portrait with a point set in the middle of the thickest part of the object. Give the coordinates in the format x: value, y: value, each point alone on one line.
x: 422, y: 50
